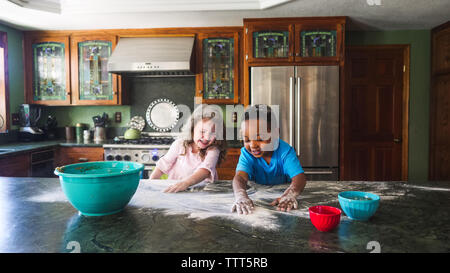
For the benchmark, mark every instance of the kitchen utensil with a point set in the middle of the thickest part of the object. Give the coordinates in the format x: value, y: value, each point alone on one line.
x: 99, y: 134
x: 325, y: 218
x: 359, y: 205
x: 132, y: 134
x: 79, y: 128
x: 100, y: 188
x: 162, y: 115
x: 86, y: 135
x: 137, y: 122
x: 100, y: 121
x: 70, y: 133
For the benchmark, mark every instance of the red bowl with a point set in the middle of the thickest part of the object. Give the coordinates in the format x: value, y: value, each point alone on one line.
x: 325, y: 218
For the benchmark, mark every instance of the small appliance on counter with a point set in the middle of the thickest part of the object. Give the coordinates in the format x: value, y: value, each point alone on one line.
x: 29, y: 115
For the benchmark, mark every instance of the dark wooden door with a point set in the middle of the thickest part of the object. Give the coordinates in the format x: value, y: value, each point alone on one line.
x: 373, y: 114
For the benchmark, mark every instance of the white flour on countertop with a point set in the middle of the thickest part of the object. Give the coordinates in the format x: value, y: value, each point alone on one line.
x: 202, y: 205
x: 199, y: 204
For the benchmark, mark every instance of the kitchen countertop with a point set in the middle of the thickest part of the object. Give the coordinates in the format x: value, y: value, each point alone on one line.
x: 35, y: 216
x: 18, y: 147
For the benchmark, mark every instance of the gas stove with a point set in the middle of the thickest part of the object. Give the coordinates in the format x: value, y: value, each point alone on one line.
x: 146, y: 150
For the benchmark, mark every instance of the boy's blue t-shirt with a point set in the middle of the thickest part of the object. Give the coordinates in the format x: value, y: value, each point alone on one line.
x: 284, y: 165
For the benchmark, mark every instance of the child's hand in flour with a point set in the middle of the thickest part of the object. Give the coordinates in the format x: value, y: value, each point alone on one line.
x: 287, y: 201
x: 242, y: 204
x: 180, y: 186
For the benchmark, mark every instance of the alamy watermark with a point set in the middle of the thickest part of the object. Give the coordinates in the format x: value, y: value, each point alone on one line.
x: 224, y: 122
x: 373, y: 2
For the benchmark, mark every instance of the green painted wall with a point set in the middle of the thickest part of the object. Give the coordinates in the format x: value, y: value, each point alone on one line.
x: 71, y: 115
x: 420, y: 58
x: 15, y: 68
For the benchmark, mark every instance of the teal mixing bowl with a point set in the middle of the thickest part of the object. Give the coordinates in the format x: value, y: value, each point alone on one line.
x: 359, y: 205
x: 100, y: 188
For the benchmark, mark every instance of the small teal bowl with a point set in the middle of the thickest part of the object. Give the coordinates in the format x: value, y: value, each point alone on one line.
x: 100, y: 188
x: 359, y: 205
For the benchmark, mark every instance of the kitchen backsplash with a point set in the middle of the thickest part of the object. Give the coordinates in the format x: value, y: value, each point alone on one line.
x: 180, y: 90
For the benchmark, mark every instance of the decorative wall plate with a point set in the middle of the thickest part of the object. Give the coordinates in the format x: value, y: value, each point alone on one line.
x: 162, y: 115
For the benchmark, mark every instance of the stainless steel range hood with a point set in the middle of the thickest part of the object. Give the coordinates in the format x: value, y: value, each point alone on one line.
x: 152, y: 56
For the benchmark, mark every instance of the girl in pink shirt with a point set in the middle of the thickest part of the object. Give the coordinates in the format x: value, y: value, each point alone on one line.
x: 193, y: 158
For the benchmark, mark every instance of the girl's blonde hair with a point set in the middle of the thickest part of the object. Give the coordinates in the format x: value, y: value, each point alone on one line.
x: 204, y: 113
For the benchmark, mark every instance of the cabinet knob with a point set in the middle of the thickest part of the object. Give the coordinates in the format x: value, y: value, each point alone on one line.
x: 397, y: 140
x: 83, y: 159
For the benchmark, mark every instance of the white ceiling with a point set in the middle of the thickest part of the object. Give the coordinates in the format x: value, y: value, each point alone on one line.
x: 112, y: 14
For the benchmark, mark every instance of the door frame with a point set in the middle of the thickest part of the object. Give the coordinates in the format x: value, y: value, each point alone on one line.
x: 406, y: 48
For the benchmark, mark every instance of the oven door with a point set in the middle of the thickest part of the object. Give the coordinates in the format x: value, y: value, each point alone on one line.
x: 148, y: 169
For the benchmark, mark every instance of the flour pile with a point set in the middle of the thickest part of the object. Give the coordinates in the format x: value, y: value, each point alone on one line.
x: 214, y: 201
x: 204, y: 204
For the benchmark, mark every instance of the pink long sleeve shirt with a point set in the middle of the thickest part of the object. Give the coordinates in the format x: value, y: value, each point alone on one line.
x: 179, y: 165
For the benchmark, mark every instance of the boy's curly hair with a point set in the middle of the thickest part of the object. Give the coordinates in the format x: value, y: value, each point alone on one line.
x: 261, y: 111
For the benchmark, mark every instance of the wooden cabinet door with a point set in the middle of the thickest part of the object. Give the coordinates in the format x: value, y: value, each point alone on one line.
x: 15, y: 166
x: 72, y: 155
x: 374, y: 113
x: 227, y: 168
x: 440, y: 129
x: 47, y: 70
x: 91, y: 82
x: 268, y: 42
x: 441, y: 50
x: 218, y: 62
x: 319, y: 42
x: 439, y: 167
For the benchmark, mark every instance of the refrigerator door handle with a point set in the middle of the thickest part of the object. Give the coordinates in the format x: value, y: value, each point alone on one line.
x: 291, y: 110
x: 297, y: 127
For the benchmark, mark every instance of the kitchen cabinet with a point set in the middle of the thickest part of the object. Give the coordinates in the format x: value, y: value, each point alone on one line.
x: 268, y: 41
x: 47, y: 70
x: 440, y: 104
x: 227, y: 168
x: 71, y: 155
x: 65, y: 68
x: 91, y: 82
x: 218, y: 64
x: 16, y: 166
x: 279, y: 41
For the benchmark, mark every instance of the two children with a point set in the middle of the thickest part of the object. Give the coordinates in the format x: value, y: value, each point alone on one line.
x: 265, y: 158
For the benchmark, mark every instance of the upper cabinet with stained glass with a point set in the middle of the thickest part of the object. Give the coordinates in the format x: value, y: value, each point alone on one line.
x: 47, y: 58
x: 300, y: 40
x: 93, y: 84
x: 218, y: 61
x: 70, y: 69
x: 269, y: 41
x: 322, y: 41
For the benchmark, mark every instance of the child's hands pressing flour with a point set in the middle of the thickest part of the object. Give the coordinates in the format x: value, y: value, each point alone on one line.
x: 242, y: 204
x: 287, y: 201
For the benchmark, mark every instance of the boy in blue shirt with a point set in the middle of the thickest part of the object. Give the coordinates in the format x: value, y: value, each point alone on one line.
x: 266, y: 159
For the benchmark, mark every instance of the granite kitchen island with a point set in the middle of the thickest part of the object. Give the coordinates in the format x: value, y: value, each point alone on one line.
x: 35, y: 216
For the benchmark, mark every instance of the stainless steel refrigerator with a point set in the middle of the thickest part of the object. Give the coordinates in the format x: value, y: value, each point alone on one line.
x: 308, y: 100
